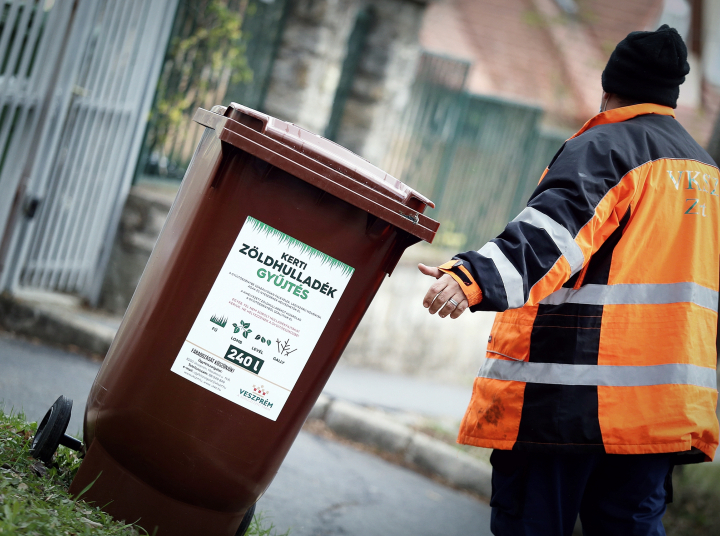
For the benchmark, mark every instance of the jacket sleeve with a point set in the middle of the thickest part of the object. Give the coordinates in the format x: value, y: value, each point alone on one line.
x: 580, y: 200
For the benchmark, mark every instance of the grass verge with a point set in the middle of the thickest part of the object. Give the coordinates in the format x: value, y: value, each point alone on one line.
x: 34, y: 500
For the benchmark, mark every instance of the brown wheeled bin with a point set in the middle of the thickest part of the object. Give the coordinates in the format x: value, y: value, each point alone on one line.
x: 274, y: 248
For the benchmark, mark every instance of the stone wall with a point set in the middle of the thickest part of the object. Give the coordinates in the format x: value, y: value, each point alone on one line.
x: 142, y: 219
x: 383, y: 80
x: 310, y: 58
x: 309, y: 61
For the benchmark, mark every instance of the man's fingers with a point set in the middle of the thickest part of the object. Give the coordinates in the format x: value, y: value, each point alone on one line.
x: 453, y: 304
x: 430, y: 270
x: 460, y: 309
x: 435, y: 289
x: 440, y: 292
x: 444, y: 296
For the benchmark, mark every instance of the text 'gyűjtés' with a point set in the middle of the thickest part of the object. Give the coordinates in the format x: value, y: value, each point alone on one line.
x: 289, y: 273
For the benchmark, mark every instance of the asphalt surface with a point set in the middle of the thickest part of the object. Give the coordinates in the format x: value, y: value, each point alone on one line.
x: 322, y: 489
x: 33, y: 376
x: 327, y: 489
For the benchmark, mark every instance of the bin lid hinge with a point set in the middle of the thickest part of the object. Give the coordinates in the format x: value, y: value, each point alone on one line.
x: 412, y: 217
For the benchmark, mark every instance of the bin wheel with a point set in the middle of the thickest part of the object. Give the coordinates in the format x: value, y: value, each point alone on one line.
x: 51, y: 431
x: 246, y: 520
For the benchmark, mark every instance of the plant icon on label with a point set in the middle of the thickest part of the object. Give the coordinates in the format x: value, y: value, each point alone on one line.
x: 284, y: 348
x: 262, y: 339
x: 244, y: 327
x: 219, y: 320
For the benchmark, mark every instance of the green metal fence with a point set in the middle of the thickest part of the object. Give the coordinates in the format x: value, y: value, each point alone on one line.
x: 479, y: 158
x: 219, y: 51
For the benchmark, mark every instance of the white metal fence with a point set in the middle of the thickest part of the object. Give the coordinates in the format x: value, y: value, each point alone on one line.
x: 76, y: 82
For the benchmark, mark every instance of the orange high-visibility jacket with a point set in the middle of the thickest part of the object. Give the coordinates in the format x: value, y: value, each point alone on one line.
x: 609, y: 285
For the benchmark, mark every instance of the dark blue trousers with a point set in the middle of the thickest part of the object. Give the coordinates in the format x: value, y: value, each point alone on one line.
x: 615, y: 495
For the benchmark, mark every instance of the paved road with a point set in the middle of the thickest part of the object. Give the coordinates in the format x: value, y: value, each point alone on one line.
x: 33, y: 376
x: 322, y: 489
x: 327, y: 489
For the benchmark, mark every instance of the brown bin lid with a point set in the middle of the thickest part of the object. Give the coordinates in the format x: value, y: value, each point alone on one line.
x: 324, y: 164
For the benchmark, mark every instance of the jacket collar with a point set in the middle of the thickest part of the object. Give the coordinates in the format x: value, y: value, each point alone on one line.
x: 618, y: 115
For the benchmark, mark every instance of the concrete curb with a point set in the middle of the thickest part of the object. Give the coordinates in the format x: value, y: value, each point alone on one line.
x: 367, y: 427
x: 376, y: 429
x: 94, y: 333
x: 458, y: 468
x: 54, y: 325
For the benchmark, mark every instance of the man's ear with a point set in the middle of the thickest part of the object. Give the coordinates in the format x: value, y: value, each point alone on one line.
x: 604, y: 101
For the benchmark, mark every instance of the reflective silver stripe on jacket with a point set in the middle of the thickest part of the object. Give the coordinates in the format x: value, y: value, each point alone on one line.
x: 511, y: 278
x: 607, y: 375
x: 631, y: 294
x: 559, y: 235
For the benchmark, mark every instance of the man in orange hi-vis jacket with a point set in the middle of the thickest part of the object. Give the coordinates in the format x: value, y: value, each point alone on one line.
x: 600, y: 375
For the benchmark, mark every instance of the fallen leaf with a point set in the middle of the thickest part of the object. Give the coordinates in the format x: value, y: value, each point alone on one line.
x: 91, y: 524
x: 22, y: 486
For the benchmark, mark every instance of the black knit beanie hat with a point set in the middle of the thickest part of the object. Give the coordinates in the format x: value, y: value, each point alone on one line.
x: 648, y: 67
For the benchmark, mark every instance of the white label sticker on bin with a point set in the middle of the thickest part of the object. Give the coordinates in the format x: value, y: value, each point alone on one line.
x: 262, y: 319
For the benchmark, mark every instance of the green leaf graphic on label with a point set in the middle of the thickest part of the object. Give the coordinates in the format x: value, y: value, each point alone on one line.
x: 257, y: 337
x: 268, y: 342
x: 262, y: 340
x: 246, y: 333
x: 236, y: 328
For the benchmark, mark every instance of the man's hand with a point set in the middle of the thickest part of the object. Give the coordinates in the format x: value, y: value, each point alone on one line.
x: 445, y: 295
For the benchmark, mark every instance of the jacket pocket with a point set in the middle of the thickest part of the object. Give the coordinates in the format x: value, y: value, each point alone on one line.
x: 510, y: 335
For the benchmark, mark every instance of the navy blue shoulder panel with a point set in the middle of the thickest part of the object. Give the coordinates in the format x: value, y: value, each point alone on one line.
x: 593, y: 163
x: 652, y: 137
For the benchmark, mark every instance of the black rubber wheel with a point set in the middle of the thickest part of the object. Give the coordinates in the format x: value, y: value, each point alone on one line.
x: 51, y: 431
x: 245, y: 523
